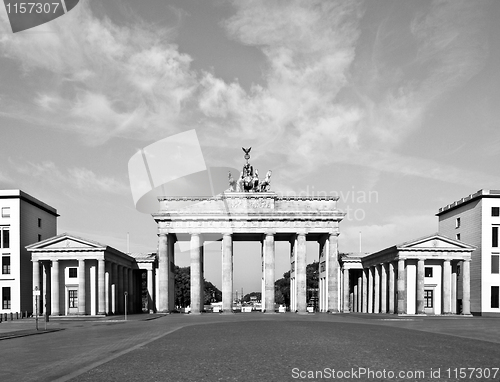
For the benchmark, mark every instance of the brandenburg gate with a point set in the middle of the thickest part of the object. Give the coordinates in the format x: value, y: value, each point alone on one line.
x: 250, y: 211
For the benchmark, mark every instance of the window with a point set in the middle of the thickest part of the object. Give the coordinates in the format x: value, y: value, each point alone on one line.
x: 39, y: 237
x: 6, y: 212
x: 495, y: 211
x: 494, y: 238
x: 428, y: 271
x: 6, y: 298
x: 428, y: 298
x: 5, y: 243
x: 495, y: 303
x: 6, y: 265
x: 494, y: 263
x: 73, y: 298
x: 39, y: 223
x: 73, y: 273
x: 457, y: 223
x: 458, y: 236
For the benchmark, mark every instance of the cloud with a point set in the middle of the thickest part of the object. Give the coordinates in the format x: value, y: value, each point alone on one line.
x: 332, y: 91
x: 99, y: 79
x: 77, y: 177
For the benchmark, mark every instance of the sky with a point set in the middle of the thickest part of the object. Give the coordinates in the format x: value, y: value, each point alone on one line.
x: 392, y: 105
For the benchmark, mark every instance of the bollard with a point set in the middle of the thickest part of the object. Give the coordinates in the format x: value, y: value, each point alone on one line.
x: 17, y: 316
x: 11, y: 316
x: 1, y: 317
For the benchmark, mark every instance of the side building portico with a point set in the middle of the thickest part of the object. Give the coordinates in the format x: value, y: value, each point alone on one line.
x: 77, y: 276
x: 430, y: 275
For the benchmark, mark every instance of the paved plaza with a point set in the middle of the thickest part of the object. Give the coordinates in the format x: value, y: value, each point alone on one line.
x: 253, y: 347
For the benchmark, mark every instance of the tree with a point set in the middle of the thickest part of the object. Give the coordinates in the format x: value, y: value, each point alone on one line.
x: 183, y: 288
x: 212, y: 293
x: 252, y: 294
x: 282, y: 286
x: 282, y: 289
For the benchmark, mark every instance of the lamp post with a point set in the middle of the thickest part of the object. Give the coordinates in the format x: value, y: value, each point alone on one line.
x: 126, y: 294
x: 36, y: 292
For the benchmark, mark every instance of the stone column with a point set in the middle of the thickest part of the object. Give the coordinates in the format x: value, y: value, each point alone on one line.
x: 163, y: 273
x: 383, y: 288
x: 355, y: 299
x: 364, y: 298
x: 150, y: 287
x: 36, y: 284
x: 107, y: 289
x: 466, y: 287
x: 333, y: 274
x: 114, y: 287
x: 81, y: 287
x: 101, y: 278
x: 269, y: 272
x: 401, y: 286
x: 446, y: 287
x: 346, y: 293
x: 293, y: 274
x: 371, y: 274
x: 420, y: 286
x: 227, y: 273
x: 376, y: 307
x: 359, y: 302
x: 454, y: 288
x: 45, y: 294
x: 171, y: 271
x: 196, y: 243
x: 54, y: 286
x: 391, y: 287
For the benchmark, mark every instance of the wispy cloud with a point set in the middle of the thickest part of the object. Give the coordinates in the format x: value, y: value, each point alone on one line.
x: 329, y: 87
x: 99, y: 79
x: 78, y: 178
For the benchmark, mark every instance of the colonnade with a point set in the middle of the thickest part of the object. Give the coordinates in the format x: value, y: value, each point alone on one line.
x: 298, y: 292
x: 100, y: 287
x: 388, y: 287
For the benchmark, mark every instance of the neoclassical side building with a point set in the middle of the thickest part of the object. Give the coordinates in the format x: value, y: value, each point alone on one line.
x: 430, y: 275
x: 76, y: 276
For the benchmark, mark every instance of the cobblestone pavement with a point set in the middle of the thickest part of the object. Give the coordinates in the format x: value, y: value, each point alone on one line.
x: 252, y: 346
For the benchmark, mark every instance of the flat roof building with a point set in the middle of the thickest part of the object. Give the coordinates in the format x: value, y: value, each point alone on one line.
x: 23, y: 220
x: 475, y: 220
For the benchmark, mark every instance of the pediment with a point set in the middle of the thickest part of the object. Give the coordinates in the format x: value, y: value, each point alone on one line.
x: 436, y: 241
x: 66, y: 241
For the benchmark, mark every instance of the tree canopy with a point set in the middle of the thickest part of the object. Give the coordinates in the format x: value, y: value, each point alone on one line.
x: 183, y: 288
